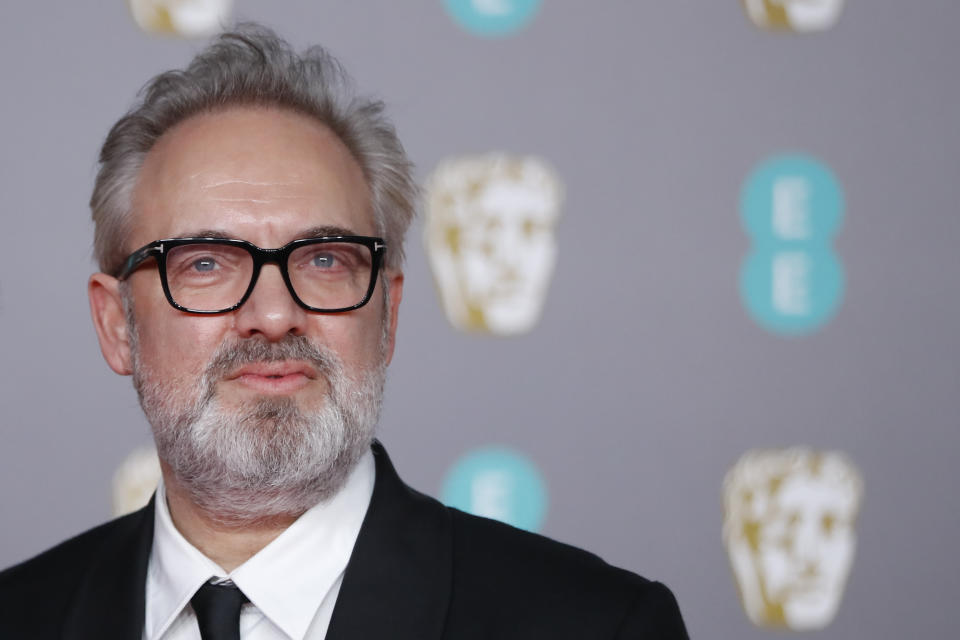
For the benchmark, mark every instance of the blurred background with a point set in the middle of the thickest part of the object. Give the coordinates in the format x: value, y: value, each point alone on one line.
x: 755, y: 250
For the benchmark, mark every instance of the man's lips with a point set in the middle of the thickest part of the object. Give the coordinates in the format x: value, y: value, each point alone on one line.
x: 274, y: 377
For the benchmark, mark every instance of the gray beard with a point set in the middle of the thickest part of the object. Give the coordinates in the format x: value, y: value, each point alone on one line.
x: 268, y: 458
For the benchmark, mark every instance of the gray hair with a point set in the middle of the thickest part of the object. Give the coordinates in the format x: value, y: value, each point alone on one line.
x: 253, y: 66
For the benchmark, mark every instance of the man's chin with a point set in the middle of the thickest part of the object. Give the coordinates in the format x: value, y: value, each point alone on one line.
x: 262, y: 459
x: 235, y: 399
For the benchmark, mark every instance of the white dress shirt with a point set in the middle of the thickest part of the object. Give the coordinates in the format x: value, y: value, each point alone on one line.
x: 292, y: 583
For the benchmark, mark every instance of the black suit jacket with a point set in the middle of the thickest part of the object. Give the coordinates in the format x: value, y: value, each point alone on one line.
x: 419, y: 571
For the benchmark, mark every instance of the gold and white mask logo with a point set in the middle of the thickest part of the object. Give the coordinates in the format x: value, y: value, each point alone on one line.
x: 135, y: 480
x: 187, y: 18
x: 490, y: 237
x: 801, y: 16
x: 789, y: 531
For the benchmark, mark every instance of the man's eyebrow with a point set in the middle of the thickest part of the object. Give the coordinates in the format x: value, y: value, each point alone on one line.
x: 312, y: 232
x: 205, y: 233
x: 326, y: 230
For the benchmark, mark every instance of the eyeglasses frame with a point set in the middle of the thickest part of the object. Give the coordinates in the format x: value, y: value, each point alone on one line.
x: 158, y: 249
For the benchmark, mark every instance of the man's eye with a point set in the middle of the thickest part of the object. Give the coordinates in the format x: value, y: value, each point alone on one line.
x: 322, y: 260
x: 204, y: 264
x: 328, y: 259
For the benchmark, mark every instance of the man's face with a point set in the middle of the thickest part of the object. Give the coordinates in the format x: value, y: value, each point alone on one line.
x: 266, y: 176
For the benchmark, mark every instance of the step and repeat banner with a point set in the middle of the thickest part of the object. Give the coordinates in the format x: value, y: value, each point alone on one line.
x: 683, y: 288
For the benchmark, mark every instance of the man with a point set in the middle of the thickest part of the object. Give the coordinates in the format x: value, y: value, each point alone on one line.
x: 249, y: 226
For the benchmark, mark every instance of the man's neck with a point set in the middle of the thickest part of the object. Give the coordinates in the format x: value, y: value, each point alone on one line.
x: 227, y: 545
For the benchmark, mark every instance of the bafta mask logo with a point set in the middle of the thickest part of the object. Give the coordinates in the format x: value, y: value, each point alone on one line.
x: 187, y: 18
x: 497, y: 483
x: 800, y: 16
x: 788, y: 528
x: 135, y: 480
x: 490, y: 238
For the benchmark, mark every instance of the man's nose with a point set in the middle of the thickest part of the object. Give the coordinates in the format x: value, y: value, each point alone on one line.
x: 270, y: 310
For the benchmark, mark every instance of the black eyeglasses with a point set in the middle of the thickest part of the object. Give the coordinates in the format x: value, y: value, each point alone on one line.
x: 216, y: 275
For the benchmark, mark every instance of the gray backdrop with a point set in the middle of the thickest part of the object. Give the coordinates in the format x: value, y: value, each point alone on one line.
x: 645, y: 379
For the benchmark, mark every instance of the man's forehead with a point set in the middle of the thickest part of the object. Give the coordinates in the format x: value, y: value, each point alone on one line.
x: 269, y: 168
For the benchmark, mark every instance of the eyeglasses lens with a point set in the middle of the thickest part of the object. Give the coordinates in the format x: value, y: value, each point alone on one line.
x: 214, y: 277
x: 331, y: 275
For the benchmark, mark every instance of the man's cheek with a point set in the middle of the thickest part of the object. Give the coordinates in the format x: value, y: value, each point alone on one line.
x: 189, y: 342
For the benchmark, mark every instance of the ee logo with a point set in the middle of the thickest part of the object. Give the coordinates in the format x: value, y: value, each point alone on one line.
x: 791, y: 282
x: 500, y: 484
x: 492, y: 17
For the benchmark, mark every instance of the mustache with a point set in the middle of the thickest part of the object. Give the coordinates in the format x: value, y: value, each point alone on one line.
x: 243, y: 351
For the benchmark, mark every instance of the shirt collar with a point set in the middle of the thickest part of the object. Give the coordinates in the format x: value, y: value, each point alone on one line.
x: 286, y: 580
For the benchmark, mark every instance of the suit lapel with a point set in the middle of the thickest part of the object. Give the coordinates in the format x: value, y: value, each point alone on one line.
x: 397, y: 583
x: 110, y: 601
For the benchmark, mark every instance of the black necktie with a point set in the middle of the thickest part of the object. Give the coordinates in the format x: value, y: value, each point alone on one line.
x: 218, y: 611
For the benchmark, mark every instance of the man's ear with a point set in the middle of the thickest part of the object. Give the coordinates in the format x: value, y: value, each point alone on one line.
x: 395, y: 292
x: 106, y: 307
